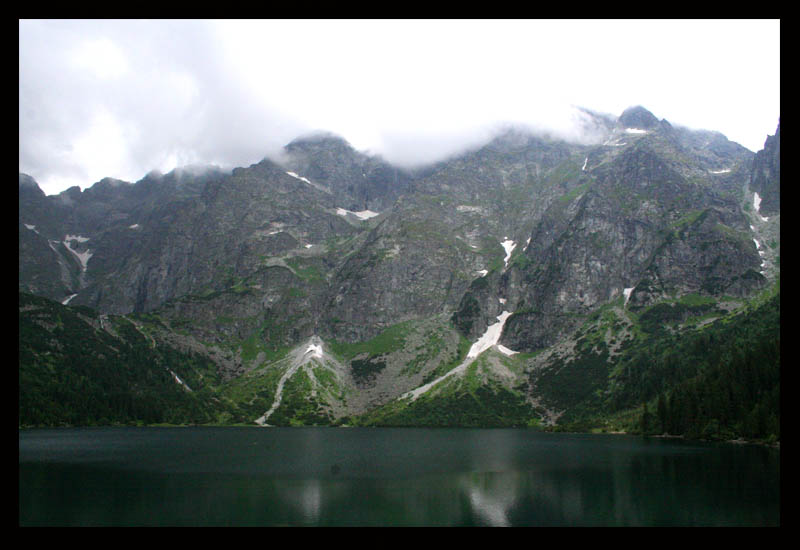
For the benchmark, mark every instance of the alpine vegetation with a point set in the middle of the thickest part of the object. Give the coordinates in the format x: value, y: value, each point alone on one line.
x: 630, y: 283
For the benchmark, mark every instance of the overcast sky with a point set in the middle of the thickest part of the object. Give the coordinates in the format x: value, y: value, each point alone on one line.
x: 121, y: 98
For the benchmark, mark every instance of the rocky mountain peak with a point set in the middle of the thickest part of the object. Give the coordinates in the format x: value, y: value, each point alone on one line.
x: 638, y: 117
x: 28, y: 185
x: 107, y: 188
x: 113, y: 182
x: 511, y: 136
x: 154, y: 174
x: 26, y: 180
x: 73, y: 192
x: 319, y: 141
x: 330, y: 272
x: 355, y: 180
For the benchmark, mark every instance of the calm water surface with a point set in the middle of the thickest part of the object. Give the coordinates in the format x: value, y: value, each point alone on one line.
x: 388, y: 477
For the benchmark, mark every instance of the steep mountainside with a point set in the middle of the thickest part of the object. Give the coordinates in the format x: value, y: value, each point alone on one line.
x: 355, y: 181
x: 327, y: 286
x: 766, y: 176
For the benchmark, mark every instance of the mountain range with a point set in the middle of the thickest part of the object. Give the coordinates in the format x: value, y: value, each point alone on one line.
x: 530, y: 281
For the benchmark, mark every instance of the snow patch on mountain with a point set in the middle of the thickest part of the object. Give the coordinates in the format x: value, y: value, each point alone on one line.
x: 301, y: 178
x: 362, y: 215
x: 76, y: 238
x: 67, y: 300
x: 509, y: 247
x: 627, y: 293
x: 505, y: 351
x: 757, y: 206
x: 31, y: 227
x: 83, y: 257
x: 584, y: 163
x: 315, y: 349
x: 298, y: 358
x: 490, y: 338
x: 635, y: 131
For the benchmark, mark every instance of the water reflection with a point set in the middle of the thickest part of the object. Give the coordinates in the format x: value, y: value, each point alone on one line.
x: 390, y: 477
x: 491, y: 497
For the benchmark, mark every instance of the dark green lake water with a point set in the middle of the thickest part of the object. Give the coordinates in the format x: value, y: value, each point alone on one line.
x: 388, y: 477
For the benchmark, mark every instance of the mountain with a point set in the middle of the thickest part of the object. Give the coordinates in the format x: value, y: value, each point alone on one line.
x: 354, y: 180
x: 766, y: 174
x: 505, y: 286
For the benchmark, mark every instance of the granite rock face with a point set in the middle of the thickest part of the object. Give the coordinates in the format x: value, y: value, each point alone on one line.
x: 766, y: 174
x: 638, y: 117
x: 355, y: 181
x: 651, y: 216
x: 333, y: 242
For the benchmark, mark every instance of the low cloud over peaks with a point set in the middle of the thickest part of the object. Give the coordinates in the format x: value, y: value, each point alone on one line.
x: 121, y: 98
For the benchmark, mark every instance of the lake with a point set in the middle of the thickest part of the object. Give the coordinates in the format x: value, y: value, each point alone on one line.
x: 203, y: 476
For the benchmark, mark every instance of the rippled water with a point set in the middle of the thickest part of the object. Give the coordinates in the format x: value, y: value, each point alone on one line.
x: 391, y: 477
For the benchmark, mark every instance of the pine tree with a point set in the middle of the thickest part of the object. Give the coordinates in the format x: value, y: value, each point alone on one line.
x: 661, y: 410
x: 645, y: 420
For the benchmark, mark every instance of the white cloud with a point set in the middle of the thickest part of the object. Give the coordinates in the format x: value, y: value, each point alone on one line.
x: 155, y: 94
x: 102, y: 147
x: 101, y: 57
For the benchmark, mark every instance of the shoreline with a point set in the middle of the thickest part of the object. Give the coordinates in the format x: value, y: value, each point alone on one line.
x: 738, y: 441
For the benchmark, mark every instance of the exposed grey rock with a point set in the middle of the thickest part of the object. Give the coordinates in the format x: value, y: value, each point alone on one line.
x: 280, y: 252
x: 638, y: 117
x: 766, y: 174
